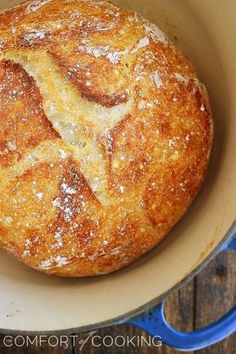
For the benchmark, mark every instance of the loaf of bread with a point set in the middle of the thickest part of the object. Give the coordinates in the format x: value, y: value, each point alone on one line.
x: 105, y: 135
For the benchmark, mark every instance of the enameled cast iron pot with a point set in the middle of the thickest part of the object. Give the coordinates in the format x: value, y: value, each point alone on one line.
x: 32, y: 302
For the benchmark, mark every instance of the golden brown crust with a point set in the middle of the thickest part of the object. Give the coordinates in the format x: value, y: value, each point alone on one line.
x: 22, y: 119
x: 105, y: 136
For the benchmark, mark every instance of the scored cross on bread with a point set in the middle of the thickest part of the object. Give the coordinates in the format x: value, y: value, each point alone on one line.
x: 105, y: 135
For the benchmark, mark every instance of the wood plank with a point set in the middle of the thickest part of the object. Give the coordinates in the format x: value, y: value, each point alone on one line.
x: 215, y: 295
x: 180, y: 311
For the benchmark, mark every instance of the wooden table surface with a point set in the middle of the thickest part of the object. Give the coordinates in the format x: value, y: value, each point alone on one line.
x: 201, y: 301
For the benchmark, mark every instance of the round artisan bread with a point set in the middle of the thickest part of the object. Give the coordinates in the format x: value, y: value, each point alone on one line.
x: 105, y: 135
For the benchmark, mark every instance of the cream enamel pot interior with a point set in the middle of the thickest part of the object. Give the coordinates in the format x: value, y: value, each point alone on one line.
x: 30, y: 301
